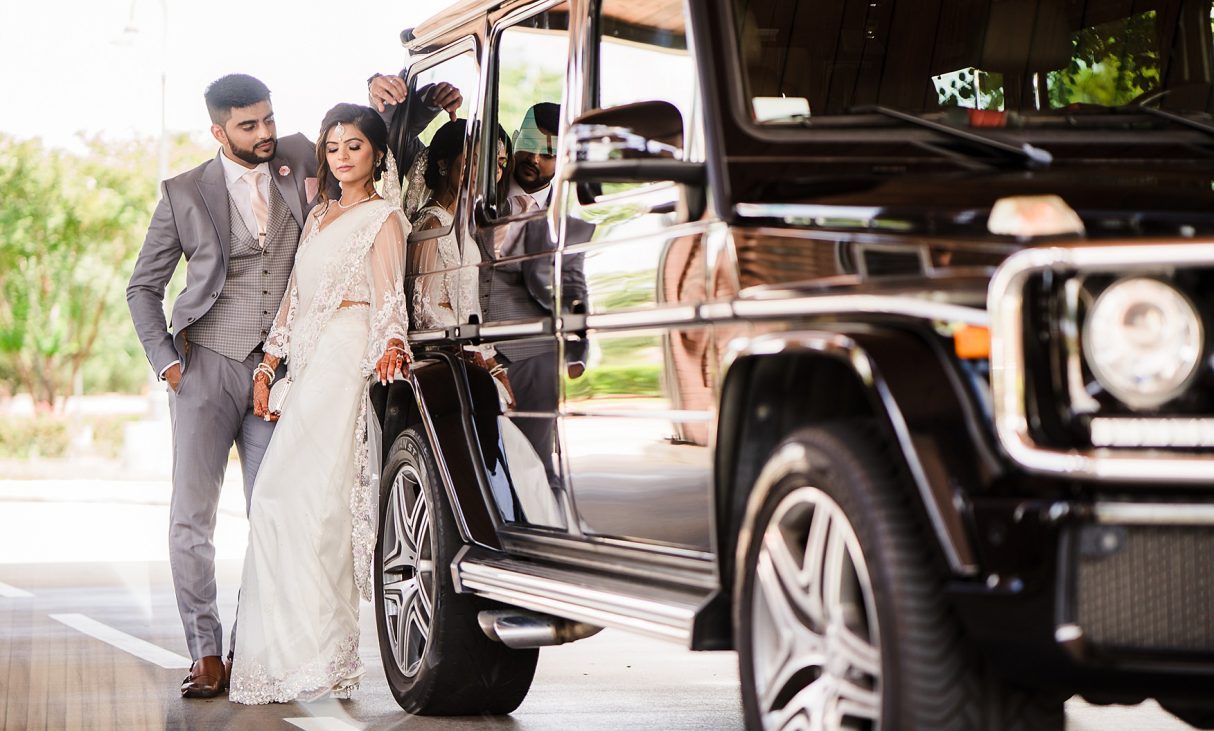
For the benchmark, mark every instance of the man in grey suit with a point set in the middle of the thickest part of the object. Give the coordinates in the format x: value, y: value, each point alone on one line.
x: 236, y: 219
x: 516, y: 289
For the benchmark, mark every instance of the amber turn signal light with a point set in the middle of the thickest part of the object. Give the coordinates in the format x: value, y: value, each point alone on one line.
x: 972, y: 342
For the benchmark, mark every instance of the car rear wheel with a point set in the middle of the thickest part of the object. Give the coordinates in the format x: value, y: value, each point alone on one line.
x: 435, y: 656
x: 838, y: 609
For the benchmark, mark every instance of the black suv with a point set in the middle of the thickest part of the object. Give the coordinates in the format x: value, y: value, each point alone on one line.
x: 868, y: 338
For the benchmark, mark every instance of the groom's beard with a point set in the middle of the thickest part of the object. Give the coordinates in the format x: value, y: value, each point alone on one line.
x: 258, y: 153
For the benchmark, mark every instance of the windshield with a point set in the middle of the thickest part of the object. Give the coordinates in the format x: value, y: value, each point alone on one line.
x: 808, y: 59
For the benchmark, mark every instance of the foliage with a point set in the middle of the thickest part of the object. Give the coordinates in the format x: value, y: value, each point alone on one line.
x: 615, y: 291
x: 522, y: 84
x: 50, y: 436
x: 1112, y: 64
x: 636, y: 380
x: 71, y: 225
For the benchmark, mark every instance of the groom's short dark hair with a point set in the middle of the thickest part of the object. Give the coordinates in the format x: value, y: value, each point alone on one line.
x: 233, y: 92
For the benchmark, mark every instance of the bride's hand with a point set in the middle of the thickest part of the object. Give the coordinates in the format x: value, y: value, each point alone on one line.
x: 501, y: 377
x: 394, y: 363
x: 261, y: 400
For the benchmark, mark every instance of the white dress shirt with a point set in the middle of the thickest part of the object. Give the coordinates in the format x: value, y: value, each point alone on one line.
x: 540, y: 196
x: 233, y: 173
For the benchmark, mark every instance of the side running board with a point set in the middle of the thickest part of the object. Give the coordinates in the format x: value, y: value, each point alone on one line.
x: 605, y: 601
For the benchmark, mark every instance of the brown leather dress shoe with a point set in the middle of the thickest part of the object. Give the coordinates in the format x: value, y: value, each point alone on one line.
x: 227, y: 673
x: 207, y: 678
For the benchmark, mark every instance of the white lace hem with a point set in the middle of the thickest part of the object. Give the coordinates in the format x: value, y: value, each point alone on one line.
x: 252, y: 684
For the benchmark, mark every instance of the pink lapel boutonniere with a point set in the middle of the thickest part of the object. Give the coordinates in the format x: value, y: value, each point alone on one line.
x: 284, y: 171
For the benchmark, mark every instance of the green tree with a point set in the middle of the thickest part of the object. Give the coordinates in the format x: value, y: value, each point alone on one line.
x: 1112, y: 64
x: 70, y: 227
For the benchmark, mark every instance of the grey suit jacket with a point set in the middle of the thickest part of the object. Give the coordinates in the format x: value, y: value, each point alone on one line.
x: 537, y: 270
x: 403, y: 131
x: 191, y: 220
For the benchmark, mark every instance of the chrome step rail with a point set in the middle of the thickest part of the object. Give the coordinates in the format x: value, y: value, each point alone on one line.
x: 604, y: 601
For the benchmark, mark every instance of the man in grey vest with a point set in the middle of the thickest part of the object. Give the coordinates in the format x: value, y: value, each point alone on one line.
x: 522, y: 289
x: 237, y: 220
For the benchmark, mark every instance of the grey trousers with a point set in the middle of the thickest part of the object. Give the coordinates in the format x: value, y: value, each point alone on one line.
x: 211, y: 410
x: 534, y: 381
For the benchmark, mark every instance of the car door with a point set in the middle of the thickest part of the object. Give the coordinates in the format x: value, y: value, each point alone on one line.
x: 636, y: 424
x: 516, y: 257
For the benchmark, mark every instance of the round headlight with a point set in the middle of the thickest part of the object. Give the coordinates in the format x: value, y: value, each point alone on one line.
x: 1143, y: 341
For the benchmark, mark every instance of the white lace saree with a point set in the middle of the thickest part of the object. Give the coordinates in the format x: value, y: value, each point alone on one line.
x: 446, y: 288
x: 313, y: 515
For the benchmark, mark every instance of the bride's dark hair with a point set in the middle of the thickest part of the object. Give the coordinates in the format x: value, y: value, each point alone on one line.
x: 446, y: 145
x: 367, y: 122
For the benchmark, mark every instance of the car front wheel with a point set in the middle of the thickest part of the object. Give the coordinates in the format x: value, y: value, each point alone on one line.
x: 435, y: 656
x: 838, y: 607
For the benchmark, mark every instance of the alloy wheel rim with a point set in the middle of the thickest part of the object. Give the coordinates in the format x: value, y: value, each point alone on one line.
x: 407, y: 571
x: 816, y: 651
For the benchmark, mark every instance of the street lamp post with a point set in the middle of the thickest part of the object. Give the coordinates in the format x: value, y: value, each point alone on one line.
x: 147, y: 444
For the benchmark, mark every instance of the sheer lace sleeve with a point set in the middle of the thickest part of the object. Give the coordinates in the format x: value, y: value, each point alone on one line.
x: 430, y: 294
x: 386, y: 277
x: 278, y: 343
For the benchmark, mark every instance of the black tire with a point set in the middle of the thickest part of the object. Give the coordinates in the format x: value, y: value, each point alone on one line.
x: 929, y: 677
x: 454, y: 670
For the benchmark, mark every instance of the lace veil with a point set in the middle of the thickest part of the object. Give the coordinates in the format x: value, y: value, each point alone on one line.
x: 391, y: 184
x: 418, y: 192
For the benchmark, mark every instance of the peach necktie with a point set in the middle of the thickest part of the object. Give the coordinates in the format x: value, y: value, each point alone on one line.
x: 261, y: 211
x: 504, y: 237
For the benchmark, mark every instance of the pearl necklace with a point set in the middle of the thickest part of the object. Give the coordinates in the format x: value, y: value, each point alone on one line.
x: 344, y: 207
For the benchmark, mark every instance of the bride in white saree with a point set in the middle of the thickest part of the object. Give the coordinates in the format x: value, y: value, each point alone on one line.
x: 312, y: 519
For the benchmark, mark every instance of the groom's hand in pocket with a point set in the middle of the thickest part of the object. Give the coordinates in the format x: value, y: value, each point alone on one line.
x: 173, y: 376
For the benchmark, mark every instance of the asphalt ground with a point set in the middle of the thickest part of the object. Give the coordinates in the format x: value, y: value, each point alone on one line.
x: 90, y: 639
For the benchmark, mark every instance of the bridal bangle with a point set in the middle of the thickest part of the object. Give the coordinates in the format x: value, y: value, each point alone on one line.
x: 263, y: 368
x: 495, y: 370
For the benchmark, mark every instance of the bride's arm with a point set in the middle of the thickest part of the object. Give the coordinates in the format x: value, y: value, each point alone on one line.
x: 276, y: 347
x: 389, y: 319
x: 429, y: 287
x: 278, y: 342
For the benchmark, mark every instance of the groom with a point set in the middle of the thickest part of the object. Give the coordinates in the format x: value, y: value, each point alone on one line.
x: 236, y: 219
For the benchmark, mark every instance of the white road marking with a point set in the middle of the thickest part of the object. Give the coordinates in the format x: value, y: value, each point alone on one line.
x: 321, y: 723
x: 12, y: 592
x: 139, y: 648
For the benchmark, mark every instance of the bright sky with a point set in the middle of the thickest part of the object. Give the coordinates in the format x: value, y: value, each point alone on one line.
x: 69, y: 66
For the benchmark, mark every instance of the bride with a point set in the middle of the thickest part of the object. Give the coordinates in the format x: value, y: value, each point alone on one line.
x: 311, y: 522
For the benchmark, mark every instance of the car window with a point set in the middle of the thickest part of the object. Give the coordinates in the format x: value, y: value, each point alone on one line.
x: 432, y: 186
x: 806, y: 59
x: 461, y: 72
x: 529, y: 70
x: 643, y: 55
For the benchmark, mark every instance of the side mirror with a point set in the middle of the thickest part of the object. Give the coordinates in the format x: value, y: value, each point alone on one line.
x: 640, y: 131
x: 633, y: 143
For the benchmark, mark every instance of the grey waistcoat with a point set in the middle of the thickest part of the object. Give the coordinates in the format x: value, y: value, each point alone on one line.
x: 504, y: 296
x: 243, y: 312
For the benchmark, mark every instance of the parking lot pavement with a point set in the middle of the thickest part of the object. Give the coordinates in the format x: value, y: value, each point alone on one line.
x: 90, y: 639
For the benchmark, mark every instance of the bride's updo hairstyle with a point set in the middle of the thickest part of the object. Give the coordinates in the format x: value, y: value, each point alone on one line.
x: 370, y: 124
x: 446, y: 146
